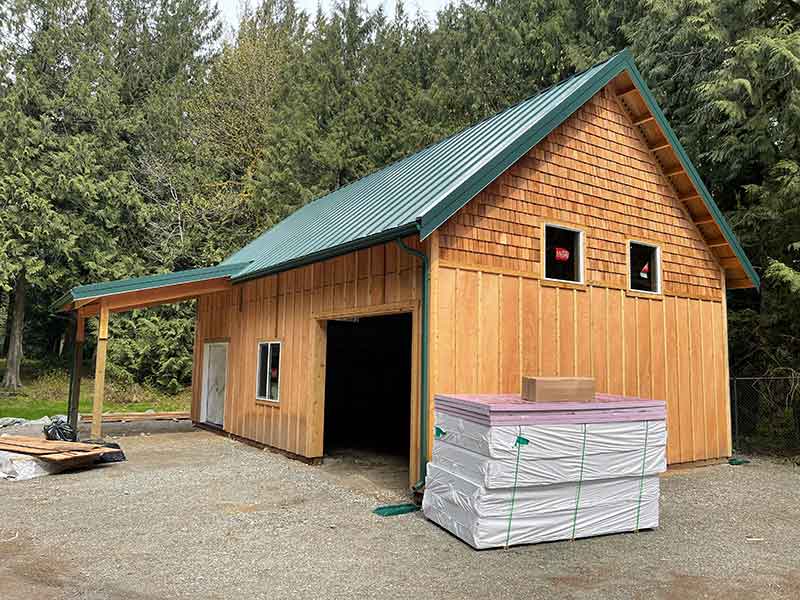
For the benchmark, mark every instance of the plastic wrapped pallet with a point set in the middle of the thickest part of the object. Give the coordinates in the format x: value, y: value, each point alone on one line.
x: 494, y: 473
x: 547, y: 513
x: 505, y: 471
x: 546, y: 441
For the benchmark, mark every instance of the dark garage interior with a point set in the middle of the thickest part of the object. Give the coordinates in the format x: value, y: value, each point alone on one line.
x: 368, y: 386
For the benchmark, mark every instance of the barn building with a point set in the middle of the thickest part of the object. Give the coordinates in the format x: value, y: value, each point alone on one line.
x: 569, y: 234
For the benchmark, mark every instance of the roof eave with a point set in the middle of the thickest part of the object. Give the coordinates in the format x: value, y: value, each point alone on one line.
x: 441, y: 211
x: 61, y: 305
x: 691, y: 171
x: 69, y: 301
x: 351, y: 246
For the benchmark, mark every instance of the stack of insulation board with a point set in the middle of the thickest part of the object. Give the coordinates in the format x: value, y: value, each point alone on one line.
x: 505, y: 471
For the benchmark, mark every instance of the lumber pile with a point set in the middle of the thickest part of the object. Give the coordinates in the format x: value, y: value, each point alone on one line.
x: 125, y: 417
x: 66, y: 455
x: 507, y: 471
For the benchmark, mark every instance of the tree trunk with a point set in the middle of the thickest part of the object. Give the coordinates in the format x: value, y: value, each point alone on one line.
x: 66, y: 341
x: 7, y: 327
x: 14, y: 362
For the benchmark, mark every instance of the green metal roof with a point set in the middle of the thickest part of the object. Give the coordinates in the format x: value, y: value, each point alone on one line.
x: 422, y: 191
x: 136, y: 284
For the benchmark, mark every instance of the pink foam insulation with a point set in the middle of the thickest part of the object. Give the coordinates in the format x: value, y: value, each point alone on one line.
x: 512, y: 409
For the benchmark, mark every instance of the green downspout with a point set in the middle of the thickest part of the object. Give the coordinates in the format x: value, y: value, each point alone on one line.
x: 423, y: 379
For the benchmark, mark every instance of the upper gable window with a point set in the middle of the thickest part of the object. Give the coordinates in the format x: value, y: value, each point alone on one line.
x: 644, y: 261
x: 563, y: 249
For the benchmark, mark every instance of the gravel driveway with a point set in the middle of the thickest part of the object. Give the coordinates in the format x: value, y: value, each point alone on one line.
x: 195, y: 515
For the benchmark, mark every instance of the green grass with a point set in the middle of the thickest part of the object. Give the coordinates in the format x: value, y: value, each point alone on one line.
x: 45, y: 393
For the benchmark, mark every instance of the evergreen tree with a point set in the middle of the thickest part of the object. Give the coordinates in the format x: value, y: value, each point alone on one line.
x: 495, y: 53
x: 727, y: 74
x: 66, y: 201
x: 132, y: 142
x: 166, y: 48
x: 93, y: 94
x: 230, y: 122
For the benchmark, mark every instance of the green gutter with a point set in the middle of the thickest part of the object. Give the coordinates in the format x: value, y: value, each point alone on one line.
x: 423, y: 379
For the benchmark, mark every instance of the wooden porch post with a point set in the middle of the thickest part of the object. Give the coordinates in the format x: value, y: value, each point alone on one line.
x: 75, y: 379
x: 100, y: 373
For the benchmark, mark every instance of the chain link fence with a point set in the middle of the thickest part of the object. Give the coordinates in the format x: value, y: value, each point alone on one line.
x: 765, y: 414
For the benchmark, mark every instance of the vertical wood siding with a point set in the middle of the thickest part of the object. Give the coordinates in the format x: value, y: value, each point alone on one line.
x: 668, y: 348
x: 286, y: 308
x: 497, y: 319
x: 493, y: 318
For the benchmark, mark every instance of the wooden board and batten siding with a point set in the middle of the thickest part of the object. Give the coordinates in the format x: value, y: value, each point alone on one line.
x: 494, y: 318
x: 292, y: 307
x: 612, y: 170
x: 497, y: 319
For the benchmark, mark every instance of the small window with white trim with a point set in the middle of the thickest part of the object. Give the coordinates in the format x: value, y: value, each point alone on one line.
x: 563, y: 249
x: 644, y: 261
x: 269, y: 371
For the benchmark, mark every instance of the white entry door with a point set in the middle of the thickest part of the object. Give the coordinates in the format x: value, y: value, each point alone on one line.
x: 215, y: 369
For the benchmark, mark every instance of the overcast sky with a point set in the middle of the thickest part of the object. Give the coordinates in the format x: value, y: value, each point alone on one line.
x: 230, y: 9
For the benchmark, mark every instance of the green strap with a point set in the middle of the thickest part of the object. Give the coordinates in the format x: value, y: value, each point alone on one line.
x: 519, y: 443
x: 438, y: 432
x: 580, y: 484
x: 641, y: 477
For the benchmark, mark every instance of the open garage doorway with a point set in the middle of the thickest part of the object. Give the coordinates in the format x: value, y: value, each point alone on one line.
x: 368, y: 378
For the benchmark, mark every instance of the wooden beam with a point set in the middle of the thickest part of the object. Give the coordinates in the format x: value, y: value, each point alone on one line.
x: 688, y: 198
x: 434, y: 272
x: 644, y: 119
x: 725, y: 364
x: 658, y: 147
x: 717, y: 243
x: 156, y: 296
x: 100, y: 373
x: 391, y: 308
x: 80, y: 335
x: 138, y: 305
x: 414, y: 466
x: 676, y: 171
x: 738, y: 284
x: 316, y: 409
x: 81, y: 303
x: 627, y: 91
x: 730, y: 262
x: 123, y: 417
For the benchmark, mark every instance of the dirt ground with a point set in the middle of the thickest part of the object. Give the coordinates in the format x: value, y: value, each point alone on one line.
x: 195, y: 515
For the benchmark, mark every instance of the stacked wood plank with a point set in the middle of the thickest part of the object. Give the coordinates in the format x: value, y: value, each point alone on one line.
x: 124, y: 417
x: 68, y: 455
x: 506, y: 471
